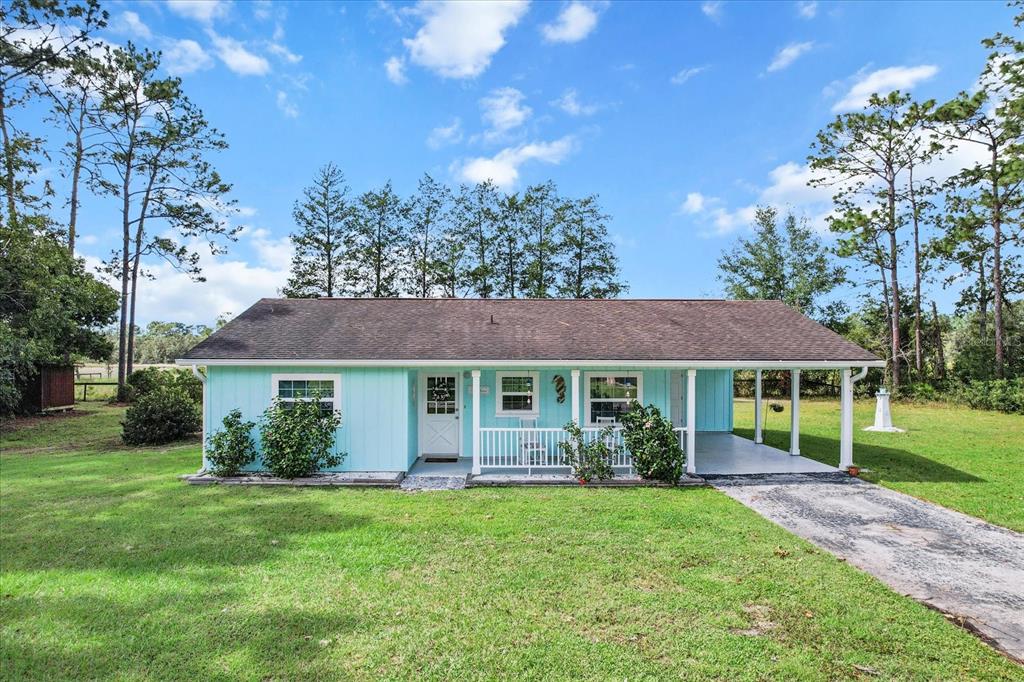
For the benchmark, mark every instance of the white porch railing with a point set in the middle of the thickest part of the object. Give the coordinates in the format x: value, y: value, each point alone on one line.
x: 537, y: 448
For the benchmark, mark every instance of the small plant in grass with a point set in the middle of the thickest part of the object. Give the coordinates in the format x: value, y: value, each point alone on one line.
x: 231, y: 448
x: 588, y: 460
x: 653, y: 444
x: 163, y: 415
x: 298, y: 438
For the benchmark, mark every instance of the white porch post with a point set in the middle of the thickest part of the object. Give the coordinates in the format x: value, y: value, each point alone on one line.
x: 476, y: 421
x: 758, y: 436
x: 575, y: 400
x: 846, y: 422
x: 691, y: 421
x: 794, y: 412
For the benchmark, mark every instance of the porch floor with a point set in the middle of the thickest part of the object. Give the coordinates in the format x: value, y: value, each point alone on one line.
x: 729, y: 454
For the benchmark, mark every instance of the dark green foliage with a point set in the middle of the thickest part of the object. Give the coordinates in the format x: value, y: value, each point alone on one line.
x: 1004, y: 395
x: 790, y: 265
x: 323, y: 218
x: 588, y: 458
x: 165, y: 414
x: 231, y: 448
x: 298, y: 439
x: 653, y: 444
x: 142, y: 382
x: 50, y: 307
x: 589, y: 267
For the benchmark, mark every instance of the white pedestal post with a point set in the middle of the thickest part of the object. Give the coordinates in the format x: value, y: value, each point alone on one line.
x: 883, y: 414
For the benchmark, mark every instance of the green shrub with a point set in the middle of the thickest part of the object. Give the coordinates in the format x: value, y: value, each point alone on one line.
x: 144, y: 381
x: 164, y: 414
x: 1004, y: 395
x: 653, y: 444
x: 297, y: 438
x: 921, y: 393
x: 588, y: 460
x: 231, y: 448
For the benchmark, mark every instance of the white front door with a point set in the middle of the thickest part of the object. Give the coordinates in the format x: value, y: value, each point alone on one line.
x: 439, y: 414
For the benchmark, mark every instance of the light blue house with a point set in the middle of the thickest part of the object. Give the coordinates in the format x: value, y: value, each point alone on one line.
x: 489, y: 384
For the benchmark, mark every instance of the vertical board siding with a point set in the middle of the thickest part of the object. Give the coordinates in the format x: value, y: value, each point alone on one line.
x: 374, y: 410
x: 380, y: 411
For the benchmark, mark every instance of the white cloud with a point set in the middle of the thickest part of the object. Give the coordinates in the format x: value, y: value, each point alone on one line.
x: 87, y: 240
x: 185, y: 56
x: 261, y: 9
x: 232, y: 283
x: 458, y: 39
x: 395, y: 69
x: 695, y: 203
x: 574, y: 23
x: 687, y: 74
x: 882, y: 82
x: 503, y: 167
x: 443, y: 136
x: 286, y: 106
x: 712, y: 9
x: 570, y: 103
x: 200, y: 10
x: 807, y: 9
x: 238, y: 58
x: 789, y: 54
x: 503, y: 110
x: 129, y: 24
x: 279, y: 50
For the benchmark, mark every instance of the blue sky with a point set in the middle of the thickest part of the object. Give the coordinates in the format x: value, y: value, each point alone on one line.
x: 681, y: 116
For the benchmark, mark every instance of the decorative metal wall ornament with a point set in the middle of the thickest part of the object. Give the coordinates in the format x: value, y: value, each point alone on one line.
x: 559, y: 382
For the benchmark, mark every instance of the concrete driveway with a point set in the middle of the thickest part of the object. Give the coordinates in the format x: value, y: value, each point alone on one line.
x: 953, y: 562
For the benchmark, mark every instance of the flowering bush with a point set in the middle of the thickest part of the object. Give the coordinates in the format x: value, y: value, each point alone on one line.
x: 653, y: 444
x: 231, y: 448
x: 588, y: 460
x: 298, y: 438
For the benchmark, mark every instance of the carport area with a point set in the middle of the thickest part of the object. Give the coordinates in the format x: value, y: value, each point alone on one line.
x: 725, y: 454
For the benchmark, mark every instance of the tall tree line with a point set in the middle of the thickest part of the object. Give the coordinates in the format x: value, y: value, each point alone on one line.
x: 470, y: 241
x: 123, y: 131
x: 892, y: 214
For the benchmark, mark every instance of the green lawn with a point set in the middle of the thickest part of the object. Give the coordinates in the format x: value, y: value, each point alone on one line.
x: 113, y: 569
x: 968, y: 460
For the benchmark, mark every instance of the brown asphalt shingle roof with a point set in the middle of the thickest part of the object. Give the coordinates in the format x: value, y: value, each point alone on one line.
x: 522, y: 329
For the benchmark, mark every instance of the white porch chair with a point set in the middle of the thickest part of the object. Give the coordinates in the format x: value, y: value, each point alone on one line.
x: 532, y: 451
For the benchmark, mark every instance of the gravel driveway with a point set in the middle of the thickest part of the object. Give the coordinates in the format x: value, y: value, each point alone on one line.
x: 956, y: 563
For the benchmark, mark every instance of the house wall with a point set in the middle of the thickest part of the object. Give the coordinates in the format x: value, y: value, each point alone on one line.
x: 375, y: 409
x: 379, y: 406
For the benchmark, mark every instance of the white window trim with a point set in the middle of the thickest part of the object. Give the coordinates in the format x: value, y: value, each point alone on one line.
x: 499, y: 394
x: 276, y: 379
x: 587, y: 376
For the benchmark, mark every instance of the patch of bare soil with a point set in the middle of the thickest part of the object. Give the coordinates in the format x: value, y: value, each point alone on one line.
x: 760, y: 623
x: 17, y: 423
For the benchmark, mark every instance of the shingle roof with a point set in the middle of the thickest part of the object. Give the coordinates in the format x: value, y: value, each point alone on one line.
x: 522, y: 329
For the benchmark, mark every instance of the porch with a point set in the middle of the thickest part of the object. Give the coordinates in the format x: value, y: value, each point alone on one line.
x: 717, y: 454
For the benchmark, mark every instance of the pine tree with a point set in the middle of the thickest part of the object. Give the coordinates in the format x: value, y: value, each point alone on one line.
x: 540, y: 273
x: 476, y: 211
x: 429, y: 214
x: 589, y: 268
x: 323, y: 218
x: 379, y: 243
x: 509, y: 248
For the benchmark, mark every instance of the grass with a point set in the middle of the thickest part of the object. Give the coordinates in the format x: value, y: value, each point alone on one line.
x: 968, y: 460
x: 112, y: 568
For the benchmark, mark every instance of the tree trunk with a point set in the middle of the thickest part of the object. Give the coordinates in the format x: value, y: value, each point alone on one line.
x: 895, y: 287
x: 982, y: 298
x: 76, y: 172
x: 12, y: 209
x: 940, y: 354
x: 918, y: 358
x: 997, y: 269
